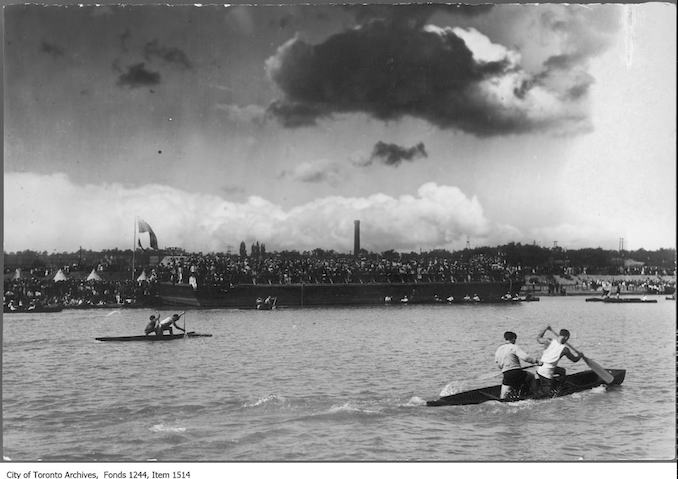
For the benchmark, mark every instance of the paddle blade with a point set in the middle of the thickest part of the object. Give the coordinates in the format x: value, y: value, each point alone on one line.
x: 489, y: 376
x: 599, y: 370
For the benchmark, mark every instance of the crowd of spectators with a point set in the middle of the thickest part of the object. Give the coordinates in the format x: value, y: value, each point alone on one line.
x: 221, y: 271
x: 29, y: 292
x: 620, y: 270
x: 603, y: 284
x: 226, y: 270
x: 626, y: 285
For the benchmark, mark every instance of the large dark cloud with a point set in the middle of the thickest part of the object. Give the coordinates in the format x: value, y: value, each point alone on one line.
x: 387, y: 72
x: 396, y: 64
x: 393, y: 155
x: 154, y: 49
x: 138, y: 76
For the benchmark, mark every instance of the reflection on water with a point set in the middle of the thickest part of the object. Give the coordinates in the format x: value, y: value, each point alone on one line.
x: 331, y: 384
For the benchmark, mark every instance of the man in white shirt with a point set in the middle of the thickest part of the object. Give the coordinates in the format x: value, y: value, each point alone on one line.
x: 169, y: 322
x: 549, y: 373
x: 508, y: 358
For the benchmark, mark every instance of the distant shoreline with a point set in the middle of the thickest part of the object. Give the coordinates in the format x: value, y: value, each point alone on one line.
x: 594, y: 293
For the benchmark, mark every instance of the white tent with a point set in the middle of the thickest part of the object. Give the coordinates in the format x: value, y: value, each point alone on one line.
x: 93, y: 276
x: 142, y: 277
x: 60, y: 276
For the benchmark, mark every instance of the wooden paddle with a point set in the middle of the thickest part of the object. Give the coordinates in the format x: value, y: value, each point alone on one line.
x: 597, y: 368
x: 175, y: 322
x: 491, y: 375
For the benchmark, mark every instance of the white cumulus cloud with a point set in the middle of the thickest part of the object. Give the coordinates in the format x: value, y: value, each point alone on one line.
x: 50, y: 212
x: 481, y: 46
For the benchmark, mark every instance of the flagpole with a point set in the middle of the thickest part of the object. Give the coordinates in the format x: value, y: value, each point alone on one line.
x: 134, y: 246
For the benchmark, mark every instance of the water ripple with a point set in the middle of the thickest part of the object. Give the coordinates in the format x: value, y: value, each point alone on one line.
x: 329, y: 384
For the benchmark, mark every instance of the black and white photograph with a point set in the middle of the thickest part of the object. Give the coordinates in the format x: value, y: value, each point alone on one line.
x: 338, y: 233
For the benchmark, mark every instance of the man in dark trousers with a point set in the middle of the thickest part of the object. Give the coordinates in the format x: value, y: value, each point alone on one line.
x: 508, y: 358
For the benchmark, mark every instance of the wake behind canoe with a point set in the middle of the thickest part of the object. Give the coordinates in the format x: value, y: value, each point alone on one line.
x: 153, y: 337
x: 573, y: 383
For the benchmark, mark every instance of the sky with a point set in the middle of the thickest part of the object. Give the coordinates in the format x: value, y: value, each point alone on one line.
x: 432, y: 125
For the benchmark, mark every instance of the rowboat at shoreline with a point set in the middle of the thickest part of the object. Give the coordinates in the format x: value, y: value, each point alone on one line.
x: 620, y: 300
x: 153, y: 337
x: 572, y: 383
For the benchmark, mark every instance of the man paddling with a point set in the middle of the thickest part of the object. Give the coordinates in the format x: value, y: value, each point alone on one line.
x: 152, y: 326
x: 169, y: 322
x: 549, y: 373
x: 508, y: 358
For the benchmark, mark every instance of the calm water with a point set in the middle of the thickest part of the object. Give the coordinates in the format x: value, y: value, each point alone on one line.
x: 331, y: 385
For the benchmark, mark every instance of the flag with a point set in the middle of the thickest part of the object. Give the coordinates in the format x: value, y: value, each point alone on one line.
x: 146, y: 228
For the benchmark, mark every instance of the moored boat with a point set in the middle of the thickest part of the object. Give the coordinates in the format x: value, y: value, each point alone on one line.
x: 572, y: 383
x: 267, y: 304
x: 620, y: 300
x: 49, y: 308
x: 522, y: 299
x: 153, y: 337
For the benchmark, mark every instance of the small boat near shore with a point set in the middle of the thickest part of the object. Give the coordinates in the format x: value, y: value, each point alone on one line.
x: 34, y: 309
x: 153, y: 337
x: 572, y: 383
x: 620, y: 300
x: 268, y: 304
x: 524, y: 299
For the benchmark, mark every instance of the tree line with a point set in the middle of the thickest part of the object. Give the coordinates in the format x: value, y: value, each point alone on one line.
x: 526, y: 256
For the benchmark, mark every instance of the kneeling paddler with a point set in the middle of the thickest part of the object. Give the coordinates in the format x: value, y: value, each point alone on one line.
x: 152, y: 326
x: 508, y: 358
x: 169, y: 322
x: 551, y: 375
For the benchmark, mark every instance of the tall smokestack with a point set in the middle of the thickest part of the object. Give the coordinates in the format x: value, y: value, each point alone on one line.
x: 356, y: 237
